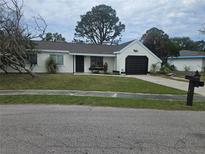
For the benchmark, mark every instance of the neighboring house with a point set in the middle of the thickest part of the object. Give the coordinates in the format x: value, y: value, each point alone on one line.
x: 193, y: 60
x: 130, y: 58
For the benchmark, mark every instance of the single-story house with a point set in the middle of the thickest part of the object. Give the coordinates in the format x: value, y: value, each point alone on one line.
x: 130, y: 58
x: 192, y: 60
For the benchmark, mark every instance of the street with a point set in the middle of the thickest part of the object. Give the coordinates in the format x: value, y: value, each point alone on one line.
x: 59, y: 129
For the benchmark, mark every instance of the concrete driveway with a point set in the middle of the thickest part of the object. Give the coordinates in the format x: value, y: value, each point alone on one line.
x: 169, y: 82
x: 58, y: 129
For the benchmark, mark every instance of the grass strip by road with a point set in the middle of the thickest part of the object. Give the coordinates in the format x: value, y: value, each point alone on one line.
x: 179, y: 76
x: 88, y: 83
x: 101, y: 101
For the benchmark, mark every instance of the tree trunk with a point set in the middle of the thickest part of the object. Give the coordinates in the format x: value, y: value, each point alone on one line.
x: 30, y: 72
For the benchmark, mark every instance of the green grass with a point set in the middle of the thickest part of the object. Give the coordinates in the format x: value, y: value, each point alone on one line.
x: 182, y: 74
x: 101, y: 101
x: 90, y: 83
x: 203, y: 77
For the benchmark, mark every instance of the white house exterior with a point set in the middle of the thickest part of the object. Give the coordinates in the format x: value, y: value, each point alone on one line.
x: 130, y: 58
x: 192, y: 60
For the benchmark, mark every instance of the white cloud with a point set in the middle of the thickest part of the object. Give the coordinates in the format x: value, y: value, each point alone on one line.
x: 175, y: 17
x: 189, y: 2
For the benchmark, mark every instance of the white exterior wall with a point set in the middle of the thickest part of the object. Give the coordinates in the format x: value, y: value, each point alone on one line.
x: 129, y: 51
x: 67, y: 66
x: 115, y: 63
x: 193, y: 64
x: 110, y: 62
x: 42, y: 57
x: 86, y: 64
x: 41, y: 63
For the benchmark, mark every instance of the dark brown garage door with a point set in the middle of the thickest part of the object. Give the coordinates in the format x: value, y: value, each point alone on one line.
x: 136, y: 65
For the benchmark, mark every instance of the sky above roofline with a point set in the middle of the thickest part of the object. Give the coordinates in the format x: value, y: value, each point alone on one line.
x: 176, y: 17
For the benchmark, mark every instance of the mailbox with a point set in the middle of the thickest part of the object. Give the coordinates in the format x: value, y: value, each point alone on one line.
x: 194, y: 81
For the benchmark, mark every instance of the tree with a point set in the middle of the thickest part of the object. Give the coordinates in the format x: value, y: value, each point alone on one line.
x: 185, y: 43
x: 54, y: 37
x: 199, y: 45
x: 16, y: 36
x: 202, y: 43
x: 99, y: 26
x: 159, y: 43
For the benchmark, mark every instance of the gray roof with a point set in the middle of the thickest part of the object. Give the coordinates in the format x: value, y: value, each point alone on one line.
x: 80, y: 47
x: 191, y: 53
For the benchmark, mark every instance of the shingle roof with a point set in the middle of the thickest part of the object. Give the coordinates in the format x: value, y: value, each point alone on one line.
x: 80, y: 47
x: 191, y: 53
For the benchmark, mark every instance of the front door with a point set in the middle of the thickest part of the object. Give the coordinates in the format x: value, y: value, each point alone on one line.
x: 79, y: 63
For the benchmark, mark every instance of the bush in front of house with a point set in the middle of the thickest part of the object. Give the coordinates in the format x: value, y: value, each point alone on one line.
x: 187, y: 68
x: 105, y: 66
x: 203, y: 69
x: 167, y: 68
x: 154, y: 68
x: 51, y: 66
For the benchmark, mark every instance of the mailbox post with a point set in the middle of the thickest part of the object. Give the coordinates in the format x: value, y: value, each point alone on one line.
x: 194, y: 81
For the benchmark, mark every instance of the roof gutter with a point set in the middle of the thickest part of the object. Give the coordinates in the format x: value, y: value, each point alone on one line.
x: 187, y: 57
x: 97, y: 55
x: 53, y: 51
x: 80, y: 54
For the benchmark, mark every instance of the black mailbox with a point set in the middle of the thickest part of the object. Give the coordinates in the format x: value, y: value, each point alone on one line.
x: 199, y: 84
x: 194, y: 81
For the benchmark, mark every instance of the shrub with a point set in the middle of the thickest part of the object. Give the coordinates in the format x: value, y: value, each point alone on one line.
x: 187, y: 68
x: 203, y: 69
x: 105, y: 66
x: 173, y: 68
x: 51, y: 65
x: 166, y: 68
x: 154, y: 68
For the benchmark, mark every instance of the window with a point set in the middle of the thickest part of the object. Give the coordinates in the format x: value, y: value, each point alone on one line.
x: 58, y: 59
x: 96, y: 61
x: 32, y: 58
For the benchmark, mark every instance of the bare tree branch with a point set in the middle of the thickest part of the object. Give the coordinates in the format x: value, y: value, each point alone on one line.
x: 15, y: 36
x: 40, y: 28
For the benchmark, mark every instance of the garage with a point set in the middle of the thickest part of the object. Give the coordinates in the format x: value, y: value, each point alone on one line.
x: 136, y: 65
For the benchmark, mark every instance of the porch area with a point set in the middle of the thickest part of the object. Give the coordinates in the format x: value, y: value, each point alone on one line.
x: 93, y: 64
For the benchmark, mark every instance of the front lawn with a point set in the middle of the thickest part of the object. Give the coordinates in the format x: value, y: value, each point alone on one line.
x: 101, y: 101
x: 182, y: 74
x: 179, y: 76
x: 77, y: 82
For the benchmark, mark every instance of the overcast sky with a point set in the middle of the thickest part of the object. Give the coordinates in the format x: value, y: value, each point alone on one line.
x: 175, y: 17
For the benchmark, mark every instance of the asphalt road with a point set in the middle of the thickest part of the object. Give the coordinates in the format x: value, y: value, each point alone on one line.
x: 58, y: 129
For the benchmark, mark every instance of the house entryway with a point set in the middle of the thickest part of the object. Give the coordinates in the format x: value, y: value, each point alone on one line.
x: 79, y: 64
